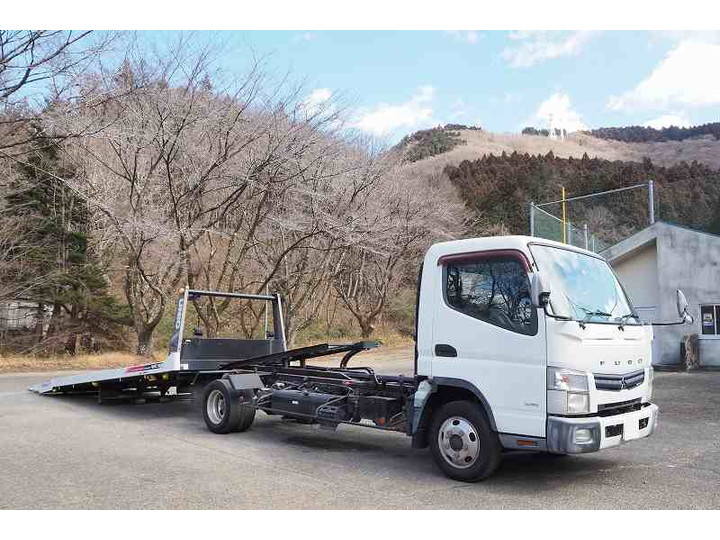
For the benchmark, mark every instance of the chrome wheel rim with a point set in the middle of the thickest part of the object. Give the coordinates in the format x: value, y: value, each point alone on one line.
x: 459, y: 442
x: 216, y: 406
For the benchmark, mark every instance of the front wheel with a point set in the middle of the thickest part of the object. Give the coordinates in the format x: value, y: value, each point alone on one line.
x: 223, y: 412
x: 462, y: 443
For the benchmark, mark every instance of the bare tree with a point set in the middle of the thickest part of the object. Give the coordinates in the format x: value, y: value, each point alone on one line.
x: 407, y: 215
x: 186, y: 175
x: 287, y: 229
x: 37, y: 68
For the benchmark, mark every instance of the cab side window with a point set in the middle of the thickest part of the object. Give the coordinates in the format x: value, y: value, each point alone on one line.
x: 495, y: 290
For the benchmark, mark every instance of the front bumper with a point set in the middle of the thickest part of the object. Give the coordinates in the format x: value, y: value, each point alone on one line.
x: 604, y: 431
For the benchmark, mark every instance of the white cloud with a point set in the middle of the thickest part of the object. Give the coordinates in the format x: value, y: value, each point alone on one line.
x: 557, y: 112
x: 705, y: 36
x: 315, y: 99
x: 535, y: 46
x: 687, y: 76
x: 384, y: 118
x: 667, y: 120
x: 466, y: 36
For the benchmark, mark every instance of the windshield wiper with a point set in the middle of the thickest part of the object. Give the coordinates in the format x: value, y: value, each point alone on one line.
x: 592, y: 313
x: 624, y: 318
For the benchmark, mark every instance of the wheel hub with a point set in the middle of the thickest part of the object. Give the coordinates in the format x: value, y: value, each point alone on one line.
x: 456, y: 442
x: 216, y: 406
x: 459, y: 442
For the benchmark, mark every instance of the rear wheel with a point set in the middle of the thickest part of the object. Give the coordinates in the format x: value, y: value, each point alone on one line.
x: 222, y: 411
x: 462, y: 443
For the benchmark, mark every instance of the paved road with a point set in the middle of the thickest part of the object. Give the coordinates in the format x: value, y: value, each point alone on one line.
x: 69, y: 452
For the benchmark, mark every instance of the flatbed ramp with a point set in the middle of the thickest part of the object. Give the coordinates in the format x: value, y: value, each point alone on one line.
x: 171, y: 372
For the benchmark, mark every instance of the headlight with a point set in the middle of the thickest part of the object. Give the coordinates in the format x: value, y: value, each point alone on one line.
x: 578, y: 403
x: 566, y: 379
x: 567, y: 391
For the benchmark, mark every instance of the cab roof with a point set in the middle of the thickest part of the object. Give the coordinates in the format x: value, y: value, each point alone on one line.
x: 485, y: 243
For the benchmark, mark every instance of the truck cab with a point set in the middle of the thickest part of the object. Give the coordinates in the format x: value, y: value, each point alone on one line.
x: 541, y: 339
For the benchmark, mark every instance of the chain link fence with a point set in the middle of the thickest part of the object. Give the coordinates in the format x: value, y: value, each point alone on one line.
x: 545, y: 225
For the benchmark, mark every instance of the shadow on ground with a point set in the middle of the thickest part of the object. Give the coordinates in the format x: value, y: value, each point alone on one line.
x: 368, y: 450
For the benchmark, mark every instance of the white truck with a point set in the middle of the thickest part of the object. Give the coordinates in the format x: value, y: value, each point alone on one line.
x: 521, y: 344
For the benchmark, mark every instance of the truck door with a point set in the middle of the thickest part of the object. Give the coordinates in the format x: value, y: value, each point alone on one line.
x: 486, y: 332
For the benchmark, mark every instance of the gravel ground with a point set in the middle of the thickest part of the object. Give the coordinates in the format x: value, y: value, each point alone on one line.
x: 70, y: 452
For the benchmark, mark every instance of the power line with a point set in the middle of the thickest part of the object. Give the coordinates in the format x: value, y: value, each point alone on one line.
x: 593, y: 194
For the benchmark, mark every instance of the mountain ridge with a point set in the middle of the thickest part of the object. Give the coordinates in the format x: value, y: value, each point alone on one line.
x: 496, y: 176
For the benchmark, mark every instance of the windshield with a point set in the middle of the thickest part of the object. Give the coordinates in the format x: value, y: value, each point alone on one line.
x: 582, y: 287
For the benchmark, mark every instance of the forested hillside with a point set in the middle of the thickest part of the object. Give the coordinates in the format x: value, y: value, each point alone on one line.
x: 498, y: 189
x: 474, y: 143
x: 497, y: 175
x: 431, y: 142
x: 648, y: 134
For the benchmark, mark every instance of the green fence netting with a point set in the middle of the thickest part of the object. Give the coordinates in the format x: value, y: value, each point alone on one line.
x: 545, y: 225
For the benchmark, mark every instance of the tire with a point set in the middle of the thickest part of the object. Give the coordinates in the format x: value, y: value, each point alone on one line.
x: 462, y: 443
x: 223, y: 412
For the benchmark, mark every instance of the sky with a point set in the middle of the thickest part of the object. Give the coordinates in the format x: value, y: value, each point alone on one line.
x: 397, y: 82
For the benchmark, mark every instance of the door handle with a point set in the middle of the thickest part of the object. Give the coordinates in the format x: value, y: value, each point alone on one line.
x: 443, y: 349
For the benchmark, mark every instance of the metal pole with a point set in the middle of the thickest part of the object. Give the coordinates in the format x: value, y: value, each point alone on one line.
x: 585, y: 230
x: 266, y: 315
x: 651, y: 201
x: 593, y: 239
x: 532, y: 218
x: 564, y: 215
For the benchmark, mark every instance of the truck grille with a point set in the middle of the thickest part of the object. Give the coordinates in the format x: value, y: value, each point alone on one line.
x: 620, y: 407
x: 619, y: 382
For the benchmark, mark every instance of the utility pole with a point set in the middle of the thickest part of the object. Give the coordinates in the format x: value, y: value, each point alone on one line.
x: 532, y: 218
x: 564, y: 214
x: 651, y: 201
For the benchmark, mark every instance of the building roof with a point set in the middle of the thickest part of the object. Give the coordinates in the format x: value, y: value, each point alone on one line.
x: 644, y: 238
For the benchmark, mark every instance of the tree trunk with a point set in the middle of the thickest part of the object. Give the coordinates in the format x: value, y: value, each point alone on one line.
x: 290, y: 337
x: 40, y: 323
x: 145, y: 342
x: 72, y: 344
x: 366, y: 327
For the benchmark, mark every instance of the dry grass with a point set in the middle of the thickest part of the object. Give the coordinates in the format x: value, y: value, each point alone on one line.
x: 391, y: 343
x: 20, y: 364
x: 704, y: 150
x: 386, y: 338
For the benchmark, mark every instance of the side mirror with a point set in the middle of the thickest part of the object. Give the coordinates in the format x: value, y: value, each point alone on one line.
x: 539, y: 292
x: 682, y: 307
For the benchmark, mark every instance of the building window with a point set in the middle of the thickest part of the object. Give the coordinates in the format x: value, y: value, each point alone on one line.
x: 709, y: 315
x: 495, y: 290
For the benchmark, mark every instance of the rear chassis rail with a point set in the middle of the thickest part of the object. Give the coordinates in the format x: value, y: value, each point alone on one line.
x: 344, y: 394
x: 350, y: 395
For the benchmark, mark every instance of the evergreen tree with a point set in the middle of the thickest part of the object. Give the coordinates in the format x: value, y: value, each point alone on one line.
x: 60, y: 272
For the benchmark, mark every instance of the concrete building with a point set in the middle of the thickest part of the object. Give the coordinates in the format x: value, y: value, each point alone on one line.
x: 656, y: 261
